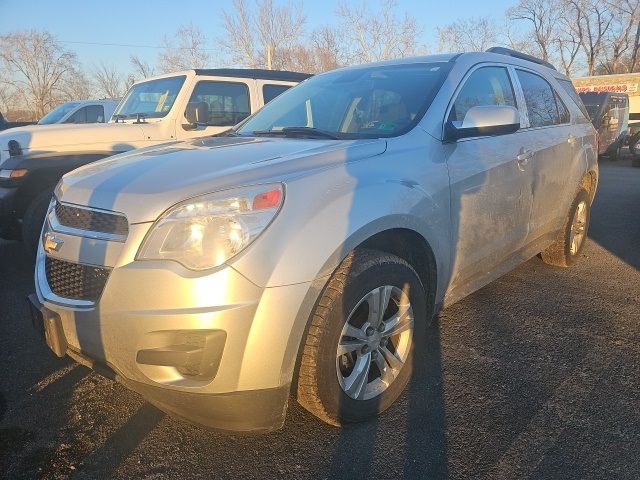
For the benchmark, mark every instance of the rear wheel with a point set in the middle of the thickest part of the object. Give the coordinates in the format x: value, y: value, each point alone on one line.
x: 633, y: 144
x: 570, y: 241
x: 33, y: 219
x: 358, y: 353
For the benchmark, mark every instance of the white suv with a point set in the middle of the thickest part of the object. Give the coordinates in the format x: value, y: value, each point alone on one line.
x: 166, y: 108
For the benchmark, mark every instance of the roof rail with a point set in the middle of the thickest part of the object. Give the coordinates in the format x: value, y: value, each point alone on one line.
x: 520, y: 55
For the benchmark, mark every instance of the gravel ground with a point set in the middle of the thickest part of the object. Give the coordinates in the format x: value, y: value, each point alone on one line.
x: 536, y: 376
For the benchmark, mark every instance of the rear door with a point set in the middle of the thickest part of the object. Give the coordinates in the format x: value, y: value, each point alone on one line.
x: 490, y: 182
x: 549, y: 136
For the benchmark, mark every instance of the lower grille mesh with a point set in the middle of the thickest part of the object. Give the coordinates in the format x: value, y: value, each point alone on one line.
x: 75, y: 281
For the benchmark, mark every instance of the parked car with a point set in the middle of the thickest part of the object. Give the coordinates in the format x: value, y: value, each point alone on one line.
x: 305, y: 252
x: 4, y: 125
x: 81, y: 111
x: 609, y: 113
x: 161, y: 109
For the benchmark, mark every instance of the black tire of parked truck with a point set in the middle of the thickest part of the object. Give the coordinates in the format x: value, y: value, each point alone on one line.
x: 633, y: 144
x: 322, y: 388
x: 566, y: 249
x: 616, y: 152
x: 33, y: 219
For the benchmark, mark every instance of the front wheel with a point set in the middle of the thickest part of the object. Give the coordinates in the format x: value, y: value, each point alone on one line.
x: 359, y: 350
x: 564, y: 251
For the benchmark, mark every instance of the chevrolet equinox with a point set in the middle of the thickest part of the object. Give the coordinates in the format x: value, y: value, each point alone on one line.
x: 302, y: 253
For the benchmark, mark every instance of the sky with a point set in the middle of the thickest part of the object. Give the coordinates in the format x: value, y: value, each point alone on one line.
x: 82, y: 24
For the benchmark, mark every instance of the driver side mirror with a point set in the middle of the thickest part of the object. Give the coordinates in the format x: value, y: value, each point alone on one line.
x: 486, y: 120
x: 197, y: 113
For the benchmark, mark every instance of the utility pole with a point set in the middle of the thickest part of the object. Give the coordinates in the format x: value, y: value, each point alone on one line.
x: 270, y: 57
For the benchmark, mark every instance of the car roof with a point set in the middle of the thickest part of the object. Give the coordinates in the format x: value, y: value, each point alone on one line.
x: 499, y: 55
x: 256, y: 73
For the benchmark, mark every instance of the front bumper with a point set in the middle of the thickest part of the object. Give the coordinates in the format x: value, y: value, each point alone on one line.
x: 247, y: 411
x: 212, y: 348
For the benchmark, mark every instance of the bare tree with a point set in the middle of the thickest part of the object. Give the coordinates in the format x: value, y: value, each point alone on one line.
x: 75, y: 87
x: 328, y: 50
x: 188, y: 51
x: 37, y: 65
x: 378, y: 34
x: 473, y: 34
x: 542, y: 17
x: 109, y: 81
x: 567, y: 45
x: 141, y: 69
x: 265, y: 38
x: 631, y: 8
x: 619, y: 40
x: 590, y: 21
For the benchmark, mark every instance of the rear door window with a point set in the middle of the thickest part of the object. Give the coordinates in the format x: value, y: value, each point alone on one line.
x: 540, y: 99
x: 269, y: 92
x: 485, y: 86
x: 95, y: 114
x: 228, y: 102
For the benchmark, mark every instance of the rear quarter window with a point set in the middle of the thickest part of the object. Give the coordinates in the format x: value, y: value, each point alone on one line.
x: 570, y: 89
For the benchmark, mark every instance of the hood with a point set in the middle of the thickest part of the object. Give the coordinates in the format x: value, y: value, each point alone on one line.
x: 144, y: 183
x: 69, y: 137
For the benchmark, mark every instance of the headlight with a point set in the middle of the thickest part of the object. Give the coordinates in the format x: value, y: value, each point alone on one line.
x: 206, y: 231
x: 17, y: 173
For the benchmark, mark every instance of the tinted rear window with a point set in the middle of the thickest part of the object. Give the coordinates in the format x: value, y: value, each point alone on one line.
x: 269, y: 92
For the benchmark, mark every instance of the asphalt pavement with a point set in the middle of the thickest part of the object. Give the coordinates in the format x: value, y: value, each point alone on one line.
x: 536, y: 376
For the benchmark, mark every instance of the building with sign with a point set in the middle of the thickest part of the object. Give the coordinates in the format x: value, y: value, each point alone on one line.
x: 628, y: 83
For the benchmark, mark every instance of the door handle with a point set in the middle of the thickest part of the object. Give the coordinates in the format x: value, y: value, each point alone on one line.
x: 571, y: 139
x: 524, y: 156
x: 522, y: 159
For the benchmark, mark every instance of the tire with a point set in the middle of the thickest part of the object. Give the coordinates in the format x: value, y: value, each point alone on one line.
x: 33, y: 219
x: 616, y: 152
x: 325, y: 376
x: 563, y: 252
x: 633, y: 144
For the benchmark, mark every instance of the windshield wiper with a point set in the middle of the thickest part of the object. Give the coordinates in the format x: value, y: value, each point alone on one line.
x: 301, y: 132
x: 118, y: 117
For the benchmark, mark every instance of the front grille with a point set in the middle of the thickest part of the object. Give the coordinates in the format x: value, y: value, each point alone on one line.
x: 75, y: 281
x: 91, y: 220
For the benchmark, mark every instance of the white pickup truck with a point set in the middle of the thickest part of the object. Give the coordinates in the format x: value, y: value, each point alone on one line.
x: 165, y: 108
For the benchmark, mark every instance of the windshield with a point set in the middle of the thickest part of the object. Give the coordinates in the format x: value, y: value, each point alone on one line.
x: 55, y: 115
x: 152, y: 99
x: 365, y: 102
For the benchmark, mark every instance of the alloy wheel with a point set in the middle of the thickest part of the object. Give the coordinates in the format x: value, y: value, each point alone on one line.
x: 375, y: 342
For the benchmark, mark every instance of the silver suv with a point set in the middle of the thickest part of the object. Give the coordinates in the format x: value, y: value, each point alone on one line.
x: 304, y: 252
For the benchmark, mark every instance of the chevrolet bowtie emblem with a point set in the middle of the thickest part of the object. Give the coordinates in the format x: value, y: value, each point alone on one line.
x: 51, y: 243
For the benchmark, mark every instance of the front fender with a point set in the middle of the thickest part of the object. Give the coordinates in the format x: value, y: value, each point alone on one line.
x: 313, y: 234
